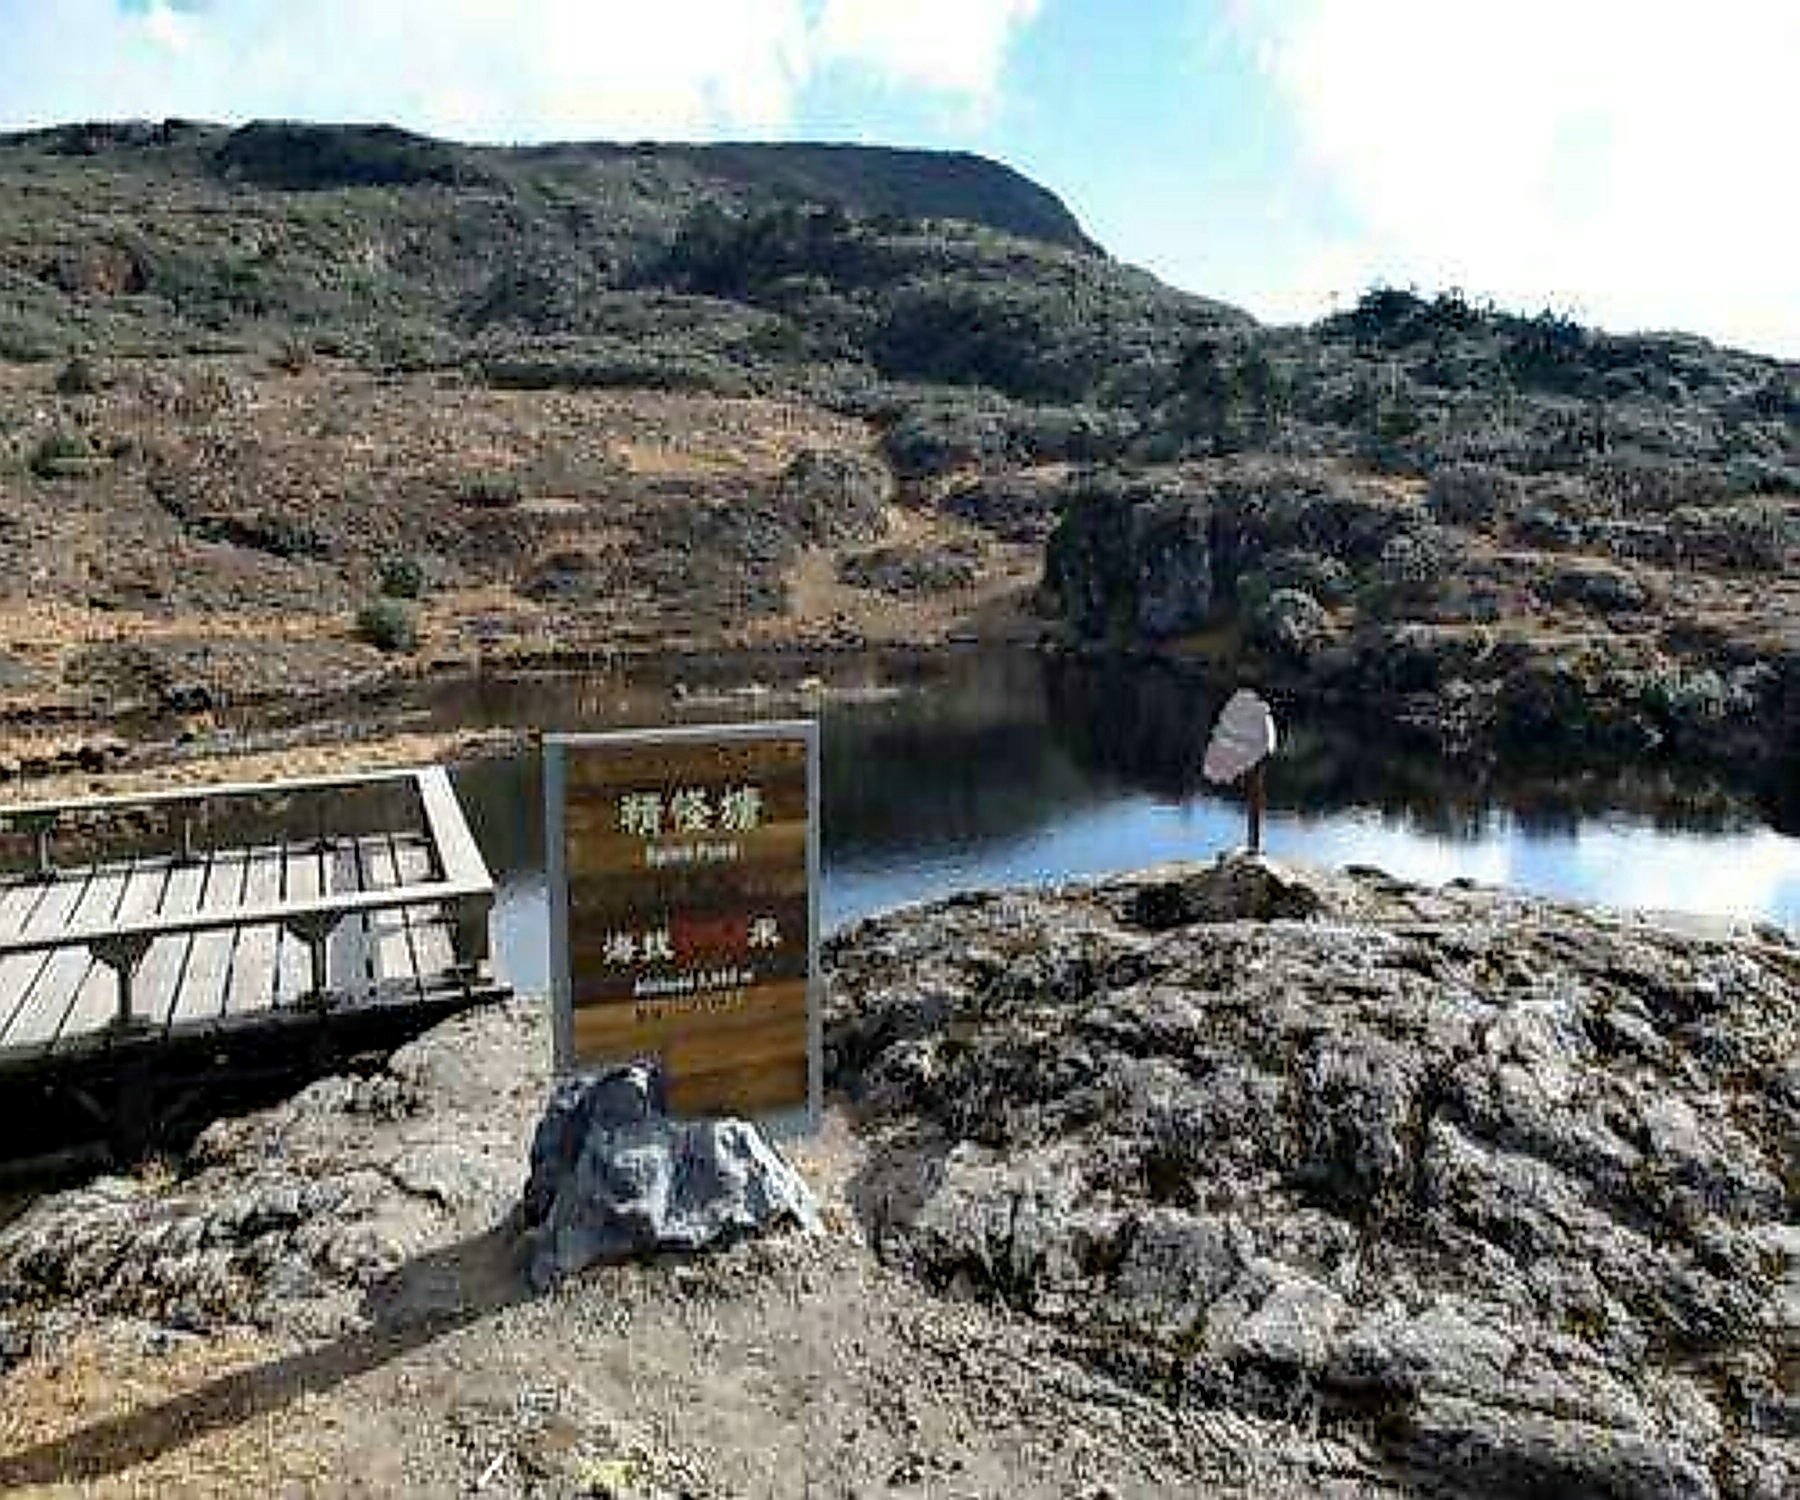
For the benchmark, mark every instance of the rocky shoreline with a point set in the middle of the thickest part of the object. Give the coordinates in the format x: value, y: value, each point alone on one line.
x: 1503, y: 1189
x: 1238, y: 1177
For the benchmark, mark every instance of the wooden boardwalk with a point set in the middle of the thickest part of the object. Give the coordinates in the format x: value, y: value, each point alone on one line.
x: 139, y: 936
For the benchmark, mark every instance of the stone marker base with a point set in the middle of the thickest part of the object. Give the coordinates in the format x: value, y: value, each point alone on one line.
x: 612, y: 1176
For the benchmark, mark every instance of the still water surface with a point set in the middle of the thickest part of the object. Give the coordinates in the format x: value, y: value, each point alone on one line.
x: 1007, y: 769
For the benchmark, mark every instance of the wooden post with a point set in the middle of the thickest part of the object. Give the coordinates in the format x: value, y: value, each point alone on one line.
x: 469, y: 930
x: 39, y: 825
x: 1258, y: 795
x: 314, y: 929
x: 123, y: 955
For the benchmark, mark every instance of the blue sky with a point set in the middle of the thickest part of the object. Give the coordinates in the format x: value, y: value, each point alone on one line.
x: 1627, y: 161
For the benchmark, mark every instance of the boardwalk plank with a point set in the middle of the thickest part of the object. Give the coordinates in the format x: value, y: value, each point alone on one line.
x: 96, y: 1002
x: 160, y: 973
x: 200, y: 996
x: 18, y: 973
x: 393, y: 947
x: 17, y: 902
x: 302, y: 880
x: 42, y: 1018
x: 293, y: 969
x: 349, y: 959
x: 425, y: 925
x: 253, y: 981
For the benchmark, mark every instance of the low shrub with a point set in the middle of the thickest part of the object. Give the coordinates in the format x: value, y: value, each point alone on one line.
x: 909, y: 572
x: 490, y: 491
x: 388, y: 625
x: 1750, y: 537
x: 272, y: 532
x: 402, y: 578
x: 77, y: 378
x: 292, y: 355
x: 63, y: 454
x: 1478, y: 495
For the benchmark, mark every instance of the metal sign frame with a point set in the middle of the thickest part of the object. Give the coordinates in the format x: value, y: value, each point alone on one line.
x: 557, y: 748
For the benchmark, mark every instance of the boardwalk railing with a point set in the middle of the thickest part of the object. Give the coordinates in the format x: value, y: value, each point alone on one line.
x: 353, y: 820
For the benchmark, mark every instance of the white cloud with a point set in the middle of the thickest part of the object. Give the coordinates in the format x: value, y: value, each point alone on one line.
x: 957, y: 46
x: 171, y: 29
x: 489, y: 69
x: 1624, y: 159
x: 478, y: 68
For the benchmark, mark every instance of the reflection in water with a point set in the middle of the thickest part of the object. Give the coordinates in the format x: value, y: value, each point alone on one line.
x: 1006, y: 768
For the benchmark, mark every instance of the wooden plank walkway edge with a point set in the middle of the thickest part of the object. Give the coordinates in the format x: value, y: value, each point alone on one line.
x: 108, y: 963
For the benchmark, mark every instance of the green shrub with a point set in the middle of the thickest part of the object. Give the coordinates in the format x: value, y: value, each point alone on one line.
x: 1678, y: 694
x: 63, y: 454
x: 1478, y: 495
x: 388, y: 625
x: 27, y: 336
x: 490, y: 491
x: 402, y: 578
x: 77, y: 378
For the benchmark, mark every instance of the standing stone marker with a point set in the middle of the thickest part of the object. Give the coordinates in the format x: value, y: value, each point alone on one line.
x: 1241, y: 741
x: 683, y: 869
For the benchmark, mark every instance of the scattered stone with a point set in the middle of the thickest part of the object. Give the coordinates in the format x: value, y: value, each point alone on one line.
x: 910, y: 571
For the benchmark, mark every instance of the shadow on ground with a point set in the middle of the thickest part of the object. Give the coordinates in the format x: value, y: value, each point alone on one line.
x: 424, y: 1300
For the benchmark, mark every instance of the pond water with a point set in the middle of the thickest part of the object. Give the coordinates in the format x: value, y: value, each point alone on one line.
x: 992, y: 769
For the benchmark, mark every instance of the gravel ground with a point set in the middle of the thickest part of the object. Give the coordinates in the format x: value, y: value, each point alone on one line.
x: 416, y: 1362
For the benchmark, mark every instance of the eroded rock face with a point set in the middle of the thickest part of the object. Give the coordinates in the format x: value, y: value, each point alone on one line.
x: 1506, y: 1188
x: 613, y: 1176
x: 1131, y: 556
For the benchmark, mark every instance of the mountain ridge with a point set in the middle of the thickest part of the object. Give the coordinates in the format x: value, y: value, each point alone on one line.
x: 1479, y: 518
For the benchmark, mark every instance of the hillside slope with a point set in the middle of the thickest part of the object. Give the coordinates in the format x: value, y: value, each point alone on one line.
x: 603, y: 397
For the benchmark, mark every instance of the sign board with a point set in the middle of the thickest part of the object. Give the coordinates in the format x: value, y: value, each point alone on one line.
x: 1243, y: 738
x: 683, y: 868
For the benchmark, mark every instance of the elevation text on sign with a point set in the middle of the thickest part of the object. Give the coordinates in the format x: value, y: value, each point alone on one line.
x: 683, y: 888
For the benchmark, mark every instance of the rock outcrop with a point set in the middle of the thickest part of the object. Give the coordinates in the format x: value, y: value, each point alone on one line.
x: 613, y: 1176
x: 1465, y: 611
x: 1503, y: 1190
x: 292, y: 1217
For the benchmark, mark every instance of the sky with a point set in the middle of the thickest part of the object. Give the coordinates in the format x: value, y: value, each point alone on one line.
x: 1626, y: 162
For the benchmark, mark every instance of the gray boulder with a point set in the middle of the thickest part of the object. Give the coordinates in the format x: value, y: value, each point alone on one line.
x: 613, y: 1176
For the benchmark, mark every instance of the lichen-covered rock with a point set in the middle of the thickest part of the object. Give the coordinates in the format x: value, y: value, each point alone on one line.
x: 1503, y: 1189
x: 613, y: 1176
x: 1292, y: 623
x: 292, y: 1217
